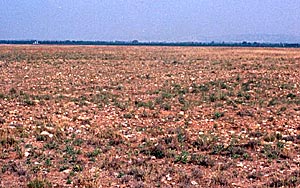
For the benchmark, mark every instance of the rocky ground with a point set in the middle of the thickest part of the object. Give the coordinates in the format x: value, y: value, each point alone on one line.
x: 85, y: 116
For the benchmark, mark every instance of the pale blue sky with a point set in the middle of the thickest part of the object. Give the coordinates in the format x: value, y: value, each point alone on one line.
x: 146, y: 20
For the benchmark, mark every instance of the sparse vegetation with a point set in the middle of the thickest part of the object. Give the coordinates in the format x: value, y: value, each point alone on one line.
x: 37, y: 183
x: 149, y: 117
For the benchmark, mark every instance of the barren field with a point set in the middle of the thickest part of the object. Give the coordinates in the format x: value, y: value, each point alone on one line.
x: 111, y: 116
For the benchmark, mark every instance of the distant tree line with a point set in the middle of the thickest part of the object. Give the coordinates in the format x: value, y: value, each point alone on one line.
x: 137, y: 43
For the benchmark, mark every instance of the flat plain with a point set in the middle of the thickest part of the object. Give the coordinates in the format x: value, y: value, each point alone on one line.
x: 116, y: 116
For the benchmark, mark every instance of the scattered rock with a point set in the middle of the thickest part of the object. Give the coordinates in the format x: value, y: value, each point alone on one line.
x: 45, y: 133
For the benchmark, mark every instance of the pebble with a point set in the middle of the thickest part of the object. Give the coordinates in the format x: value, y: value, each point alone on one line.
x: 67, y: 171
x: 45, y: 133
x: 239, y: 164
x: 181, y: 113
x: 26, y: 154
x: 169, y: 178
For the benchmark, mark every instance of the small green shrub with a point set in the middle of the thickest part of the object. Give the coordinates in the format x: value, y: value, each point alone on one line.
x: 218, y: 115
x: 166, y: 106
x: 37, y: 183
x: 182, y: 157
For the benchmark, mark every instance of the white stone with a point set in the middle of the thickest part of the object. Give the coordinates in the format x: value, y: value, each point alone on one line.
x: 181, y: 113
x: 169, y: 178
x: 239, y: 165
x: 45, y: 133
x: 26, y: 154
x: 67, y: 171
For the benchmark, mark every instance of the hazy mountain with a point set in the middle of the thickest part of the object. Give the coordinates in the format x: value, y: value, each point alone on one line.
x: 262, y: 38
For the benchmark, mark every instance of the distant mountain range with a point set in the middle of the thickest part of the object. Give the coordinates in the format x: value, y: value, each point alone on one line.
x: 261, y: 38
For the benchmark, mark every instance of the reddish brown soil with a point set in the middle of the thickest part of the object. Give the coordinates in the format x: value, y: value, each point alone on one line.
x: 149, y: 117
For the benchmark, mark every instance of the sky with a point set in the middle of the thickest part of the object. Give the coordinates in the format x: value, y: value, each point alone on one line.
x: 148, y: 20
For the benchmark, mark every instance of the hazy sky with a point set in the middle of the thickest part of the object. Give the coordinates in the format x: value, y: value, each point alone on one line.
x: 145, y: 20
